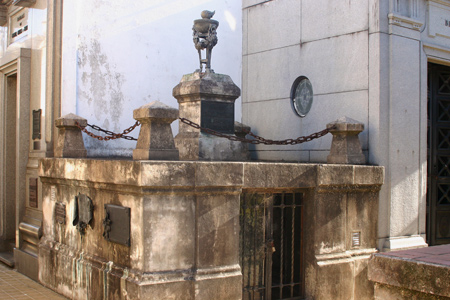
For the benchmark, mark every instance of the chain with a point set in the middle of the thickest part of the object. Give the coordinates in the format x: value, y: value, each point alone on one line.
x: 111, y: 135
x: 257, y: 139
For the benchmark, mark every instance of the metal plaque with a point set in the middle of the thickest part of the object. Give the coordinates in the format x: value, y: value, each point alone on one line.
x: 33, y: 192
x: 60, y: 212
x: 117, y: 224
x: 218, y: 116
x: 302, y: 96
x: 83, y: 212
x: 37, y: 124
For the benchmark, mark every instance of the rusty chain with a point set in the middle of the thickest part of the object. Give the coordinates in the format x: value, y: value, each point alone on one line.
x: 256, y: 139
x: 110, y: 135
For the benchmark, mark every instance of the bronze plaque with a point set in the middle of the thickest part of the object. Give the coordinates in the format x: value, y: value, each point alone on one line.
x: 83, y: 212
x: 117, y: 224
x: 37, y: 124
x: 218, y: 116
x: 33, y: 192
x: 60, y: 213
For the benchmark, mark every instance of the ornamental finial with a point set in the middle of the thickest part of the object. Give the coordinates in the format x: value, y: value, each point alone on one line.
x: 205, y: 37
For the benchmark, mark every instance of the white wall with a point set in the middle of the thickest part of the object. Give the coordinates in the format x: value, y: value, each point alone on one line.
x: 119, y: 55
x: 326, y: 41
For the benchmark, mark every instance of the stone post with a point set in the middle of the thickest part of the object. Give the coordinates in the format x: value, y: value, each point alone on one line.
x: 155, y: 140
x: 345, y: 147
x: 208, y: 100
x: 70, y: 141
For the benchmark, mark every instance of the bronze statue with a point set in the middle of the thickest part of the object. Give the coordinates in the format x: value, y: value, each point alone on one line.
x: 205, y: 37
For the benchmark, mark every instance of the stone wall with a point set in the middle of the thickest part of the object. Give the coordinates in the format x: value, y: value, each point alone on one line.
x: 415, y: 274
x: 184, y: 227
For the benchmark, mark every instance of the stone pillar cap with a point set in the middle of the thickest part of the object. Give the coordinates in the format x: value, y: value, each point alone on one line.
x: 241, y: 128
x: 346, y: 124
x: 69, y: 120
x: 157, y: 110
x: 210, y: 84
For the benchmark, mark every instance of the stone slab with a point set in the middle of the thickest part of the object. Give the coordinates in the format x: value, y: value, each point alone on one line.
x: 284, y: 16
x: 333, y: 18
x: 424, y: 270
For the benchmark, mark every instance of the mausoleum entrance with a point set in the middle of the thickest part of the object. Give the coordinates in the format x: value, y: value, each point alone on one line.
x: 438, y: 193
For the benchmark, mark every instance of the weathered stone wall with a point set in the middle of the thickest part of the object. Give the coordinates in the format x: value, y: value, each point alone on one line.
x: 415, y: 274
x: 185, y: 227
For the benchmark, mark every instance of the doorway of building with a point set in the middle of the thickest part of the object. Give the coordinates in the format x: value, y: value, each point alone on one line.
x: 8, y: 222
x: 438, y: 190
x: 271, y: 246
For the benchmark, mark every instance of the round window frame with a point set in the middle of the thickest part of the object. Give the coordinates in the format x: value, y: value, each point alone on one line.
x: 296, y: 83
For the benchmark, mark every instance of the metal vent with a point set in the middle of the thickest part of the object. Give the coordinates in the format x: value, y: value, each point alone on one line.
x: 356, y: 239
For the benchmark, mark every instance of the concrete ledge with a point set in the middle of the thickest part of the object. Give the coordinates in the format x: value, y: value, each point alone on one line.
x: 186, y: 173
x: 416, y: 274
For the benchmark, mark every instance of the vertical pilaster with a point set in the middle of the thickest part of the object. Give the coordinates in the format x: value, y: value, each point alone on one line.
x: 53, y: 72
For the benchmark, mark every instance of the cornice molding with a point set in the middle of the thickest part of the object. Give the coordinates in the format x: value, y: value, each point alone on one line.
x: 399, y: 20
x: 442, y: 2
x: 24, y: 3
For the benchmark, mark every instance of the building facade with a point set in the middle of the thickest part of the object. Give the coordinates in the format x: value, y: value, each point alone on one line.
x: 378, y: 62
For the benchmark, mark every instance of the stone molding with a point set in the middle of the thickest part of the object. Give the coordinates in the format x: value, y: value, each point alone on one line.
x: 436, y: 53
x: 24, y: 3
x: 399, y: 20
x: 442, y: 2
x: 247, y: 175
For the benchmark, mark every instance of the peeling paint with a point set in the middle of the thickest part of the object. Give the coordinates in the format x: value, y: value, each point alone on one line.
x: 101, y: 85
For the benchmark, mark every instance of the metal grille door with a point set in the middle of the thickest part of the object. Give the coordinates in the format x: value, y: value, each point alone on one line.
x: 438, y: 193
x: 271, y: 246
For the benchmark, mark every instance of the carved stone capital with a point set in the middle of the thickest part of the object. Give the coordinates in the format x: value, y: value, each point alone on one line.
x: 155, y: 140
x: 346, y: 147
x: 70, y: 141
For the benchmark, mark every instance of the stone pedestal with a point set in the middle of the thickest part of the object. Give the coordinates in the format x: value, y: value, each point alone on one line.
x: 208, y: 100
x: 155, y: 140
x: 70, y: 141
x: 345, y: 147
x: 185, y: 227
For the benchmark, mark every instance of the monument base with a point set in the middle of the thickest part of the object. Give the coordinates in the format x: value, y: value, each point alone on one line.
x: 203, y: 146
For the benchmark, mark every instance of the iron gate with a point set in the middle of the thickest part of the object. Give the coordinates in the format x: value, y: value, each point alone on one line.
x: 438, y: 192
x: 271, y: 246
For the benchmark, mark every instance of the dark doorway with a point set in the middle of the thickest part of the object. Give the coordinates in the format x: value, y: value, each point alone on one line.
x: 9, y: 171
x: 271, y: 246
x: 438, y: 190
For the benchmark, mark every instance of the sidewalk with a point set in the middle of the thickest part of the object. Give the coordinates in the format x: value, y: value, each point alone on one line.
x: 14, y: 285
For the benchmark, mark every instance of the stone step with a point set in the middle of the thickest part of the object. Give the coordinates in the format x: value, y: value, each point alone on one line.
x: 7, y: 258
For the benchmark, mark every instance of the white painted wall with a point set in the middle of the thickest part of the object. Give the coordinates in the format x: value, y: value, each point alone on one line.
x: 120, y: 55
x: 326, y: 41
